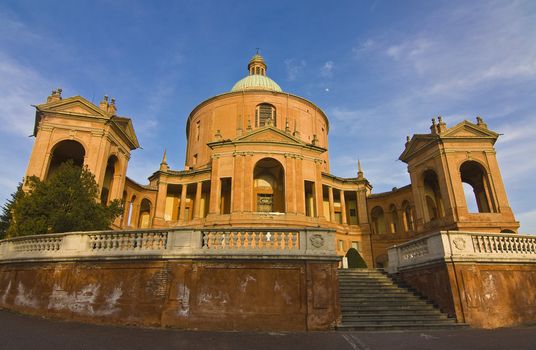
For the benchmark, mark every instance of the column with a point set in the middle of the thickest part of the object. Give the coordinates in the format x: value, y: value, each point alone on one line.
x: 248, y: 182
x: 238, y: 188
x: 318, y: 189
x: 197, y: 203
x: 182, y: 205
x: 215, y: 187
x: 160, y: 205
x: 362, y: 210
x: 300, y: 189
x: 331, y: 205
x: 343, y: 207
x: 290, y: 187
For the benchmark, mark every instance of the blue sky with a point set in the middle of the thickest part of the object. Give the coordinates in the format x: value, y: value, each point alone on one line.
x: 379, y: 69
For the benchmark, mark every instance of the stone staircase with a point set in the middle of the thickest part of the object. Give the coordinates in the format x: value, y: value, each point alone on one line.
x: 371, y: 300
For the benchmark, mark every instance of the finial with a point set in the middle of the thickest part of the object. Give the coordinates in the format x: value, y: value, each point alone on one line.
x: 249, y: 123
x: 433, y: 128
x: 164, y: 165
x: 287, y: 127
x: 113, y: 101
x: 407, y: 139
x: 257, y: 50
x: 359, y: 170
x: 480, y: 122
x: 441, y: 126
x: 106, y: 98
x: 111, y: 108
x: 59, y: 91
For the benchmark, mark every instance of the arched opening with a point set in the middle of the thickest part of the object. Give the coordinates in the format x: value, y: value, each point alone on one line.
x: 265, y: 114
x: 355, y: 260
x: 64, y: 151
x: 144, y: 220
x: 109, y: 177
x: 395, y: 225
x: 434, y: 202
x: 269, y: 186
x: 378, y: 220
x: 130, y: 210
x: 476, y: 187
x: 408, y: 216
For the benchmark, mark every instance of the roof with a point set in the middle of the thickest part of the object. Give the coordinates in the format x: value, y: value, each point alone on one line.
x: 256, y: 82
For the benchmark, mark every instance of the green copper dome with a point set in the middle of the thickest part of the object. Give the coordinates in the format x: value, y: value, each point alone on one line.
x: 257, y: 79
x: 256, y: 82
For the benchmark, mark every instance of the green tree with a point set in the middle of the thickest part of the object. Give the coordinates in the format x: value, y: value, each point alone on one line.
x: 6, y: 217
x: 65, y: 202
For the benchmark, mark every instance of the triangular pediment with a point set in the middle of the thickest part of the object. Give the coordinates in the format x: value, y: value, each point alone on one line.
x: 269, y: 134
x: 76, y: 105
x: 467, y: 129
x: 417, y: 143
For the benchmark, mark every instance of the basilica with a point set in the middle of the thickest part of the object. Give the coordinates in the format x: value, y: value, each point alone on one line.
x: 257, y: 156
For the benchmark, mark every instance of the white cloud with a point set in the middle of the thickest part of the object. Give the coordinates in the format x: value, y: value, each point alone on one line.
x: 327, y: 69
x: 294, y: 68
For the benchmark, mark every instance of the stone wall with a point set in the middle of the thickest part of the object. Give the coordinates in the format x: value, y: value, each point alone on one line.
x: 189, y: 294
x: 213, y: 279
x: 485, y: 280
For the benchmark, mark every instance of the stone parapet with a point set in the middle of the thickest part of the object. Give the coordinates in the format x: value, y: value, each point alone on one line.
x: 486, y: 280
x: 240, y: 243
x: 457, y: 246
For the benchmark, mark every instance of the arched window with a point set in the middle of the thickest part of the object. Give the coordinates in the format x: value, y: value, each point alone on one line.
x: 408, y: 216
x: 378, y: 220
x: 144, y: 220
x: 109, y: 177
x: 476, y: 188
x: 432, y: 194
x: 269, y: 186
x: 395, y: 226
x: 64, y: 151
x: 265, y: 114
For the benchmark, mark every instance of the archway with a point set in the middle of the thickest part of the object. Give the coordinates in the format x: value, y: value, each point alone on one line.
x: 64, y: 151
x: 432, y: 194
x: 144, y: 220
x: 109, y: 179
x: 269, y: 186
x: 408, y: 216
x: 395, y: 226
x: 474, y: 179
x: 378, y: 220
x: 355, y: 260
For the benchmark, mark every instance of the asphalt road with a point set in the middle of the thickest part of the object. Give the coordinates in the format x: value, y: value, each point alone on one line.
x: 25, y: 332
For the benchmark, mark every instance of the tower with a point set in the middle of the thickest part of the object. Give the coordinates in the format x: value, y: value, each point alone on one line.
x: 441, y: 162
x: 93, y: 136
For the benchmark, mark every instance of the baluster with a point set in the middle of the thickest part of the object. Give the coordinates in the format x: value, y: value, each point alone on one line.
x: 221, y: 238
x: 234, y: 239
x: 205, y: 240
x: 250, y: 240
x: 257, y: 237
x: 294, y: 236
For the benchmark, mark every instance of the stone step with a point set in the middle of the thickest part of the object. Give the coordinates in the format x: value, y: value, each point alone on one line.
x: 384, y: 308
x: 396, y: 318
x: 393, y: 291
x: 395, y: 312
x: 399, y: 326
x: 371, y: 300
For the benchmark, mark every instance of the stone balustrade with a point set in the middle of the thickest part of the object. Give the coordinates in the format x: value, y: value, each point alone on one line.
x: 456, y: 246
x: 173, y: 242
